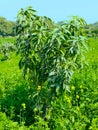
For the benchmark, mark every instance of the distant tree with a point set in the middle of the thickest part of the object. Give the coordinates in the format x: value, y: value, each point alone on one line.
x: 6, y: 27
x: 92, y: 29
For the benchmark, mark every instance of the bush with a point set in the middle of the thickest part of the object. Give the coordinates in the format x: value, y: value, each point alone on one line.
x: 6, y: 124
x: 49, y: 55
x: 6, y: 49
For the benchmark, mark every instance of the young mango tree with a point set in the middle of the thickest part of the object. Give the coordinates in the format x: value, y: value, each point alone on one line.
x: 49, y: 52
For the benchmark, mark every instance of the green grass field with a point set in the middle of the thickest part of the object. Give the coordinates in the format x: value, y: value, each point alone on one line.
x: 77, y: 109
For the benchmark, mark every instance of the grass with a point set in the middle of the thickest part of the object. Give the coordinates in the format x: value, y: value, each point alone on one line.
x: 78, y: 106
x: 9, y: 66
x: 92, y: 55
x: 7, y: 39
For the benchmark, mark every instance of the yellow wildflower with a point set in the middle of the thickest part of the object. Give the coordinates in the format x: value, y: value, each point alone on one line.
x: 38, y: 88
x: 72, y: 88
x: 23, y: 106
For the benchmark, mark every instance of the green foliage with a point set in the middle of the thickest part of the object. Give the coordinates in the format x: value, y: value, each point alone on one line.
x: 6, y: 124
x: 6, y: 27
x: 49, y: 53
x: 92, y: 30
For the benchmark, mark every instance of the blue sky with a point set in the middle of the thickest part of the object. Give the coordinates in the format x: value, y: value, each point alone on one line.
x: 58, y: 10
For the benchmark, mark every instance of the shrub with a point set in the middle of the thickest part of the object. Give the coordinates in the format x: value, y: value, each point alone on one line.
x: 6, y: 49
x: 49, y: 55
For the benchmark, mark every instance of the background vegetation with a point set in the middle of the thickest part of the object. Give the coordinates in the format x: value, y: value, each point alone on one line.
x: 6, y: 27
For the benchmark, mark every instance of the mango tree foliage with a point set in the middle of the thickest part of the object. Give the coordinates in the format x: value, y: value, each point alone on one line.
x: 49, y: 52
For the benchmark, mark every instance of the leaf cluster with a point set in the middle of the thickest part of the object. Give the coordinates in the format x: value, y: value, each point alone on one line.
x: 49, y: 52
